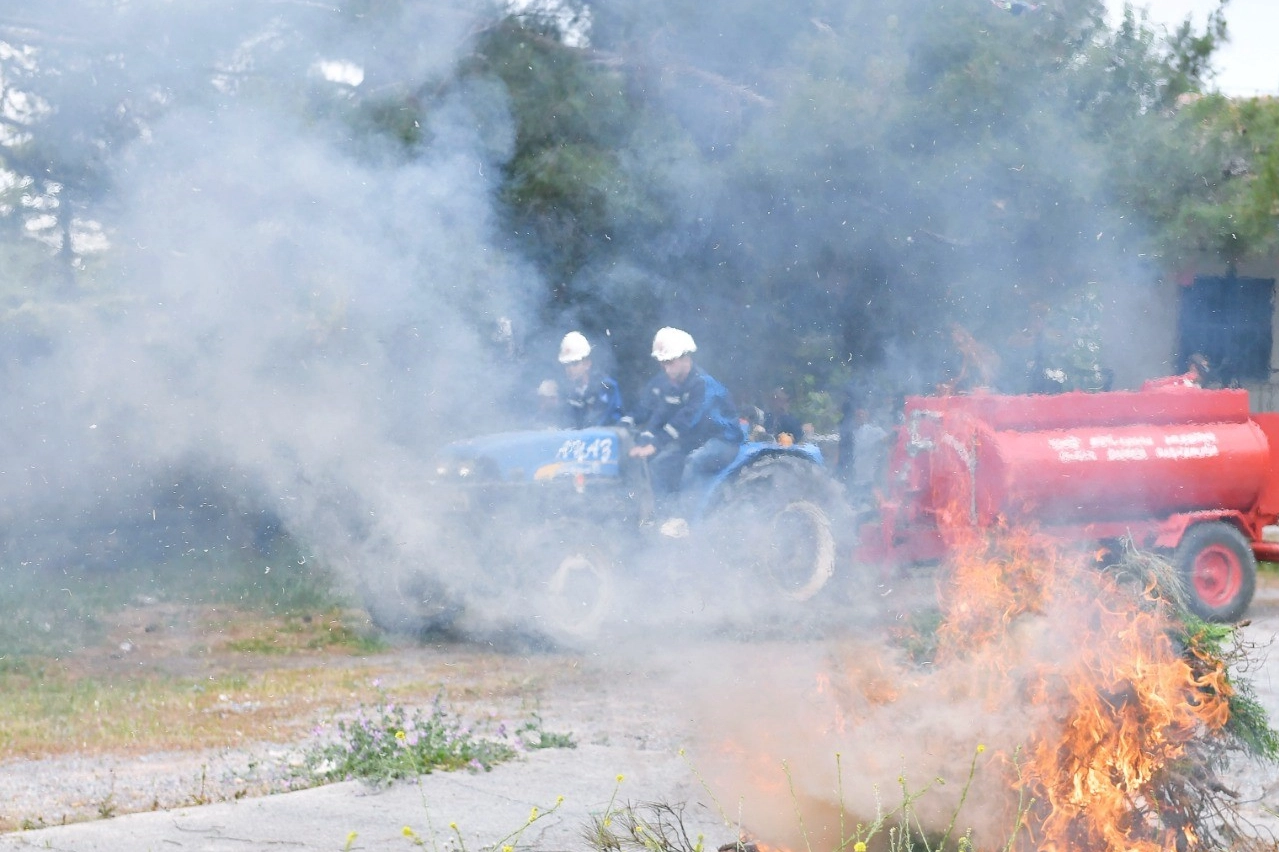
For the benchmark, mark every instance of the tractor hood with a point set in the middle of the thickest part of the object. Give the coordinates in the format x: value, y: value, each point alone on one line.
x: 533, y: 456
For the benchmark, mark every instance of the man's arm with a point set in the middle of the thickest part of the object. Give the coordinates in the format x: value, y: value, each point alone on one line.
x: 613, y: 402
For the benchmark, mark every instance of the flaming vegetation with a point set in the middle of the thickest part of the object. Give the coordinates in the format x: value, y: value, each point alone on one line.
x: 1144, y: 711
x: 1097, y: 714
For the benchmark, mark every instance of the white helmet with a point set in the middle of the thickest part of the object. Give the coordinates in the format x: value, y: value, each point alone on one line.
x: 574, y: 347
x: 671, y: 343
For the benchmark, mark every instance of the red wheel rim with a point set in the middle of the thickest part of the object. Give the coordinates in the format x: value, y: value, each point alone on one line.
x: 1218, y: 575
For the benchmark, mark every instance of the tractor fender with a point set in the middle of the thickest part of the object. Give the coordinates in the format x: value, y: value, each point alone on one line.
x: 752, y: 453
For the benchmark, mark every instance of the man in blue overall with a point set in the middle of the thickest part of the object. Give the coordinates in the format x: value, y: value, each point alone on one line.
x: 591, y: 398
x: 689, y: 429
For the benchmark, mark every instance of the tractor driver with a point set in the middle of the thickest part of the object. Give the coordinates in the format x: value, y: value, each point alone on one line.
x: 690, y: 428
x: 591, y: 398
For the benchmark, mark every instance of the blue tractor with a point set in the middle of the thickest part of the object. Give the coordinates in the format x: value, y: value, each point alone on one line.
x: 559, y: 520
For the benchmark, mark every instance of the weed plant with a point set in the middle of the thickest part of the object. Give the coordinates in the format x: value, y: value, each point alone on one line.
x: 662, y: 827
x: 532, y: 735
x: 390, y: 741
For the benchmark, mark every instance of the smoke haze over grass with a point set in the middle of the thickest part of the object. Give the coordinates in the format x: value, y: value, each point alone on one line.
x: 286, y: 324
x: 314, y: 243
x: 296, y: 311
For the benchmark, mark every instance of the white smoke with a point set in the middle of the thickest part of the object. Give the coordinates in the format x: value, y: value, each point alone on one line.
x: 299, y: 317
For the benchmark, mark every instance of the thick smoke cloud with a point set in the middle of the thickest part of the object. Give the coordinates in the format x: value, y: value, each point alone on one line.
x: 316, y: 316
x: 287, y: 326
x: 291, y: 323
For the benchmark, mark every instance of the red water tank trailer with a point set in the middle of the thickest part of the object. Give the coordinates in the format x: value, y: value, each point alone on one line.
x: 1181, y: 470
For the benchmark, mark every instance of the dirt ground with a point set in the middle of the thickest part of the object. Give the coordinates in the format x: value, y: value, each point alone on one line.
x: 210, y: 714
x: 628, y: 711
x: 220, y: 706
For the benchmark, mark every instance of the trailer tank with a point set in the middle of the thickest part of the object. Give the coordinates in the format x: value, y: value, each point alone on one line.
x: 1178, y: 469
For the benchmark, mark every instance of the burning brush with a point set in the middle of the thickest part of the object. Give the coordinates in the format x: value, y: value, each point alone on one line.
x: 1101, y: 714
x: 1143, y: 712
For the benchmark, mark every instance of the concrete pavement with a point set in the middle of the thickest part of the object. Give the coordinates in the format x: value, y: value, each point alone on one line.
x: 487, y: 809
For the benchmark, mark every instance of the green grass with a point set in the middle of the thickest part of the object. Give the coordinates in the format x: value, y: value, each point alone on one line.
x: 257, y: 645
x: 390, y: 741
x: 55, y: 611
x: 302, y: 633
x: 52, y: 711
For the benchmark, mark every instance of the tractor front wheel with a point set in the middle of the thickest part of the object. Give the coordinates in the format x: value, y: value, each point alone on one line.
x: 571, y: 572
x: 409, y: 600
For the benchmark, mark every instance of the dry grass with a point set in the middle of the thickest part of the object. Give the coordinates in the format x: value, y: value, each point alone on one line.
x: 186, y: 678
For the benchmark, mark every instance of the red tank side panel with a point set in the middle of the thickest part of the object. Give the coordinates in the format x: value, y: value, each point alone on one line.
x: 1096, y: 474
x: 1089, y: 457
x: 1268, y: 503
x: 1078, y: 462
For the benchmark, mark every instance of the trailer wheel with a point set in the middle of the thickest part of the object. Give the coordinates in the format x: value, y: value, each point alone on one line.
x: 1219, y: 571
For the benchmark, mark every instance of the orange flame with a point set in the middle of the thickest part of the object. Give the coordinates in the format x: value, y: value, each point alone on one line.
x: 1087, y: 705
x: 1121, y: 701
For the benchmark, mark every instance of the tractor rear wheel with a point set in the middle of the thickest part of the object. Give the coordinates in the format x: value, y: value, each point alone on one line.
x: 1218, y: 569
x: 796, y: 550
x: 779, y: 512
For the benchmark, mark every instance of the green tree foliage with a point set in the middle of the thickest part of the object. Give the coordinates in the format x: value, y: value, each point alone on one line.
x: 815, y: 188
x: 854, y: 177
x: 869, y: 173
x: 1208, y: 176
x: 583, y: 189
x: 565, y: 185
